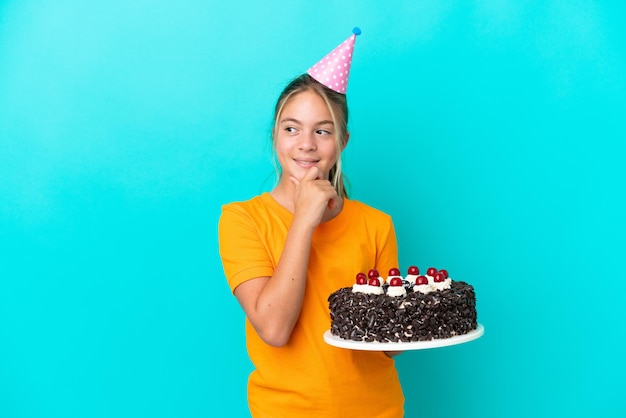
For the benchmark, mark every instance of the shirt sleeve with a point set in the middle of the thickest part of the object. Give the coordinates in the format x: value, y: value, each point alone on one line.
x: 243, y: 254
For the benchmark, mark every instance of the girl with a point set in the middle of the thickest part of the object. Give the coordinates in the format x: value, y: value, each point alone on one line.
x: 284, y: 252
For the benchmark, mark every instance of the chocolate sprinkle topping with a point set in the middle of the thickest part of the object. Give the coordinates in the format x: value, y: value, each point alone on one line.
x: 414, y: 317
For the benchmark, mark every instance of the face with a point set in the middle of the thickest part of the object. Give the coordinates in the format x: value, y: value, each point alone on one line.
x: 305, y: 136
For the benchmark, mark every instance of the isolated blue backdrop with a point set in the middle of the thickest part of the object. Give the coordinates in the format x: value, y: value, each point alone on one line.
x: 493, y: 132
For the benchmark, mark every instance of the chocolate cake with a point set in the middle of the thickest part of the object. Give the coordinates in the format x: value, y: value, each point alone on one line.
x: 407, y: 309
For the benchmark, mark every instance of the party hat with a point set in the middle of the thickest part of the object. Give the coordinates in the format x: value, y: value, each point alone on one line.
x: 333, y: 70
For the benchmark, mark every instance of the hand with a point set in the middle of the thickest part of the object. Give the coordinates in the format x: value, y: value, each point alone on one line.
x: 314, y: 196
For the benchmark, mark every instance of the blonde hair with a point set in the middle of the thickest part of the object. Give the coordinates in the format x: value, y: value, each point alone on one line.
x: 338, y: 108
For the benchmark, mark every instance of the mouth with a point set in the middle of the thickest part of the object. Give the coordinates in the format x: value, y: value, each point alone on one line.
x: 305, y: 162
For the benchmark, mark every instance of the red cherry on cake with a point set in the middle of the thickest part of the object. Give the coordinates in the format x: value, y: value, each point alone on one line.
x: 361, y: 278
x: 439, y: 277
x: 394, y: 271
x: 396, y: 281
x: 414, y: 270
x: 431, y: 271
x: 444, y: 272
x: 421, y: 280
x: 374, y: 281
x: 373, y: 273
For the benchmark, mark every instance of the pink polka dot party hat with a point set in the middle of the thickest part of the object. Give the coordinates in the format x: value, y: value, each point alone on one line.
x: 333, y: 70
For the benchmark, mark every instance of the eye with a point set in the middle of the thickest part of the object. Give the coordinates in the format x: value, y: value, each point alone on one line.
x: 323, y: 132
x: 290, y: 129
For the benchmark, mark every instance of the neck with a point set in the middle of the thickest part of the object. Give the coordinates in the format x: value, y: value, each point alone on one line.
x: 284, y: 194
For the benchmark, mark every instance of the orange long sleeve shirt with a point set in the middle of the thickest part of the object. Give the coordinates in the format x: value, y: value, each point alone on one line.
x: 307, y: 377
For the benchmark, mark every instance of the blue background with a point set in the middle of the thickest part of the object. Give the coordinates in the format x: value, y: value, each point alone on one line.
x: 493, y: 132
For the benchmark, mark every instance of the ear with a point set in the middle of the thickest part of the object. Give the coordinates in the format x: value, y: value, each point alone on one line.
x: 346, y: 141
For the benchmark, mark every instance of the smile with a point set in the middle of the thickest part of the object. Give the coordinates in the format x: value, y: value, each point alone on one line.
x: 306, y: 163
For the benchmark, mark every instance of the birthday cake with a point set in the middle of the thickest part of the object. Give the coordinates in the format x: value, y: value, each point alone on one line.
x: 403, y: 309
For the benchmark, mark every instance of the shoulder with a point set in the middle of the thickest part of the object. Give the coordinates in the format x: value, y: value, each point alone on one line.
x: 356, y: 212
x: 357, y: 207
x: 241, y: 212
x: 246, y: 206
x: 368, y: 223
x: 261, y: 212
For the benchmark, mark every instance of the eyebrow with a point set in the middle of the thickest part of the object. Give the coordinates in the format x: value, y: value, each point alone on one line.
x: 294, y: 120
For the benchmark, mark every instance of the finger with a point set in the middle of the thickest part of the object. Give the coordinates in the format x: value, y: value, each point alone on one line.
x: 294, y: 180
x: 314, y: 173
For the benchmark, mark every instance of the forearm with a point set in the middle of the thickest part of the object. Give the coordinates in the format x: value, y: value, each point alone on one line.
x: 273, y: 304
x: 279, y: 302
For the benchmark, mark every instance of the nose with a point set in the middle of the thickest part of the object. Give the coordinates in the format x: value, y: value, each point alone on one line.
x: 307, y: 142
